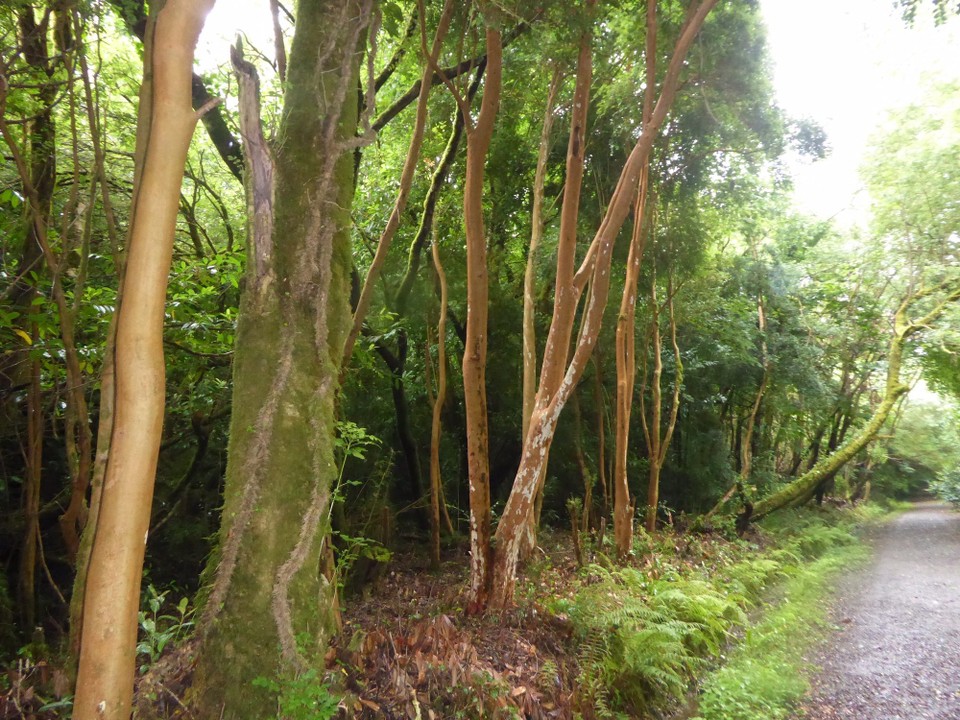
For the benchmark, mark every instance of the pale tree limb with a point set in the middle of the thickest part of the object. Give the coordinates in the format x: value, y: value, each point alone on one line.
x: 279, y: 48
x: 536, y: 234
x: 107, y: 655
x: 406, y: 177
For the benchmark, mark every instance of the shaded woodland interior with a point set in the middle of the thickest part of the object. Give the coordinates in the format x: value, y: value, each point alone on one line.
x: 435, y: 287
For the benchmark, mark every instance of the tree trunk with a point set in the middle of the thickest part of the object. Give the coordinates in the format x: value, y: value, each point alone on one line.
x: 746, y: 442
x: 600, y: 420
x: 658, y: 439
x: 269, y: 612
x: 585, y: 475
x: 626, y: 359
x: 436, y: 484
x: 475, y: 350
x: 623, y: 507
x: 530, y: 274
x: 529, y: 292
x: 397, y: 364
x: 108, y: 644
x: 26, y: 580
x: 104, y: 436
x: 595, y: 268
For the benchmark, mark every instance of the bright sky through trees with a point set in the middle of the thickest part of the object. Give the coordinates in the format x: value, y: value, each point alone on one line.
x: 847, y: 65
x: 844, y: 64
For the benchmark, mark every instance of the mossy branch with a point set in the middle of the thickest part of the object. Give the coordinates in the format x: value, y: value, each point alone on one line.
x: 904, y: 328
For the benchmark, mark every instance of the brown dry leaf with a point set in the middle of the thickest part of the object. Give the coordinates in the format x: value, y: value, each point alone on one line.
x: 370, y: 705
x: 518, y: 691
x: 421, y: 666
x: 330, y: 657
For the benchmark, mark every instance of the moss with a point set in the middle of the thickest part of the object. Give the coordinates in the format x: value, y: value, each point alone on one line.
x: 286, y: 364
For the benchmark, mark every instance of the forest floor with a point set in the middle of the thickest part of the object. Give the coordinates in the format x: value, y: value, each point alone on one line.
x: 578, y: 638
x: 897, y: 656
x: 408, y: 650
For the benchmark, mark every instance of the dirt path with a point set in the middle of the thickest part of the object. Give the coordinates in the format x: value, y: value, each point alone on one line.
x: 897, y: 656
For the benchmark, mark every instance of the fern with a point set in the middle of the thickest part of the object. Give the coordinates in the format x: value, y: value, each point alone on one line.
x: 642, y: 641
x: 749, y: 578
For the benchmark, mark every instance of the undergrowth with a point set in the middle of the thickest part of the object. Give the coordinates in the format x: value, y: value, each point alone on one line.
x: 641, y: 640
x: 645, y: 634
x: 764, y: 677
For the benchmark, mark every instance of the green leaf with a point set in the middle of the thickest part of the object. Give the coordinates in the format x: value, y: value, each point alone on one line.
x: 392, y: 18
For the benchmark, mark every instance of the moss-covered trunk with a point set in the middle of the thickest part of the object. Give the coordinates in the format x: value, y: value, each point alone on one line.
x: 803, y: 487
x: 269, y: 612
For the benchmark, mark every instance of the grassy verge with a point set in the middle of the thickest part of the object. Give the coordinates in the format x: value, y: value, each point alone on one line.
x: 646, y: 634
x: 765, y: 675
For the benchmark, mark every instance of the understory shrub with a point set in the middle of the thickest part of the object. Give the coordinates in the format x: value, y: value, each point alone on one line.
x: 644, y: 635
x: 947, y: 487
x: 642, y: 641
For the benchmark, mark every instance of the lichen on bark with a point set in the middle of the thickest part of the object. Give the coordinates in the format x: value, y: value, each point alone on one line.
x: 268, y: 609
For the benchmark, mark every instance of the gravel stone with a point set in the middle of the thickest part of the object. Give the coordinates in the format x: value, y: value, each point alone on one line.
x: 897, y: 654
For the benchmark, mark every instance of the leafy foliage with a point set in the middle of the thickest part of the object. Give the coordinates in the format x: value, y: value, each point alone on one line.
x: 305, y: 697
x: 160, y: 629
x: 642, y: 641
x: 947, y: 487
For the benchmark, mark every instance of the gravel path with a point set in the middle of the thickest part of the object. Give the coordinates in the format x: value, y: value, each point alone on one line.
x: 897, y: 656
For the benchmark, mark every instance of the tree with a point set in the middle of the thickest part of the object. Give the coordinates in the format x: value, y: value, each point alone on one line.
x: 112, y: 593
x: 268, y: 613
x: 912, y: 178
x: 558, y: 377
x: 938, y: 299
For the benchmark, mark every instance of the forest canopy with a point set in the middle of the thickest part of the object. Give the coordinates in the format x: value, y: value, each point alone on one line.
x: 429, y: 278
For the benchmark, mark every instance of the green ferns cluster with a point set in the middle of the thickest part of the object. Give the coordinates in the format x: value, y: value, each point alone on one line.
x: 642, y: 641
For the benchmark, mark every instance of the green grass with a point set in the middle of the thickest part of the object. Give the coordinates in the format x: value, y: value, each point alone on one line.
x: 764, y: 677
x: 645, y: 636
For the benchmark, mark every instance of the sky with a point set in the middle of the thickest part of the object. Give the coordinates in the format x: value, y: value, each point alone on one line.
x: 845, y: 64
x: 848, y: 64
